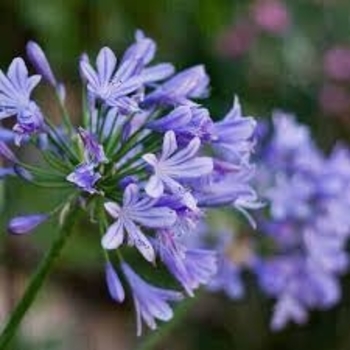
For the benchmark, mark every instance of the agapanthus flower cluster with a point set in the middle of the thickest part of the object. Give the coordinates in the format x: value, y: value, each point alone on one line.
x: 146, y: 162
x: 298, y: 253
x: 307, y: 224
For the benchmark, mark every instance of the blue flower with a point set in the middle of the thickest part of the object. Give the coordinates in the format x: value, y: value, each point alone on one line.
x: 94, y: 152
x: 174, y: 166
x: 234, y: 135
x: 143, y: 50
x: 307, y: 224
x: 191, y: 267
x: 15, y: 90
x: 110, y: 85
x: 136, y: 210
x: 187, y: 123
x: 85, y: 177
x: 190, y: 83
x: 146, y: 163
x: 287, y: 308
x: 230, y: 187
x: 151, y: 303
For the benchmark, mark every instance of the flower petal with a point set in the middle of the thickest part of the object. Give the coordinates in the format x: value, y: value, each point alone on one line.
x: 114, y: 236
x: 154, y: 187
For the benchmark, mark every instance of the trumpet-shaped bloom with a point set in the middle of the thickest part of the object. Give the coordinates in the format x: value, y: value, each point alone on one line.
x: 85, y: 177
x: 15, y: 90
x: 136, y: 210
x: 190, y: 83
x: 187, y: 123
x: 143, y: 50
x: 94, y: 152
x: 234, y: 135
x: 151, y: 303
x: 191, y: 267
x: 174, y: 166
x: 109, y: 84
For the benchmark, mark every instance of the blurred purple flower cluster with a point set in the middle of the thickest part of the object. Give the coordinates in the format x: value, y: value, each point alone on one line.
x: 299, y: 251
x: 308, y: 194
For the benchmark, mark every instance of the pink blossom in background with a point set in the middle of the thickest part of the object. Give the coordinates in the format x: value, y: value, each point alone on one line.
x: 334, y: 99
x: 237, y: 39
x: 271, y: 16
x: 337, y: 63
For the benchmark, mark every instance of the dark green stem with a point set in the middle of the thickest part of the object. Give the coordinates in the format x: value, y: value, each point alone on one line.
x: 158, y: 336
x: 37, y: 280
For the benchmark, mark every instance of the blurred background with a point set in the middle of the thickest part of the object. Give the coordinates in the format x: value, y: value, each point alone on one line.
x: 292, y: 55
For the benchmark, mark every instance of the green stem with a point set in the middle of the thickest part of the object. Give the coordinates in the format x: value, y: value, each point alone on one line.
x: 158, y: 336
x: 37, y: 280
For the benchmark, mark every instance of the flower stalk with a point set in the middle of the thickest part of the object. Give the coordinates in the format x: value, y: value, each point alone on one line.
x: 37, y: 280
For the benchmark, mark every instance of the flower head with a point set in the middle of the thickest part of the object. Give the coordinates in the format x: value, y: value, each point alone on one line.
x: 306, y: 225
x: 145, y: 163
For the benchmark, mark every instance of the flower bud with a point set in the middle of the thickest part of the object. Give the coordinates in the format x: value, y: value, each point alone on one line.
x: 114, y: 285
x: 24, y: 224
x: 38, y: 58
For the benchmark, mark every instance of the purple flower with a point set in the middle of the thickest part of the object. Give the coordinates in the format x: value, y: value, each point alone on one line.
x: 143, y: 50
x: 93, y: 150
x: 174, y: 166
x: 85, y: 177
x: 287, y: 308
x: 307, y: 225
x: 15, y: 91
x: 136, y: 210
x: 38, y: 58
x: 187, y: 123
x: 151, y: 303
x: 291, y: 145
x: 234, y: 135
x: 114, y: 285
x: 190, y: 83
x: 233, y: 188
x: 191, y: 267
x: 110, y: 85
x: 25, y: 224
